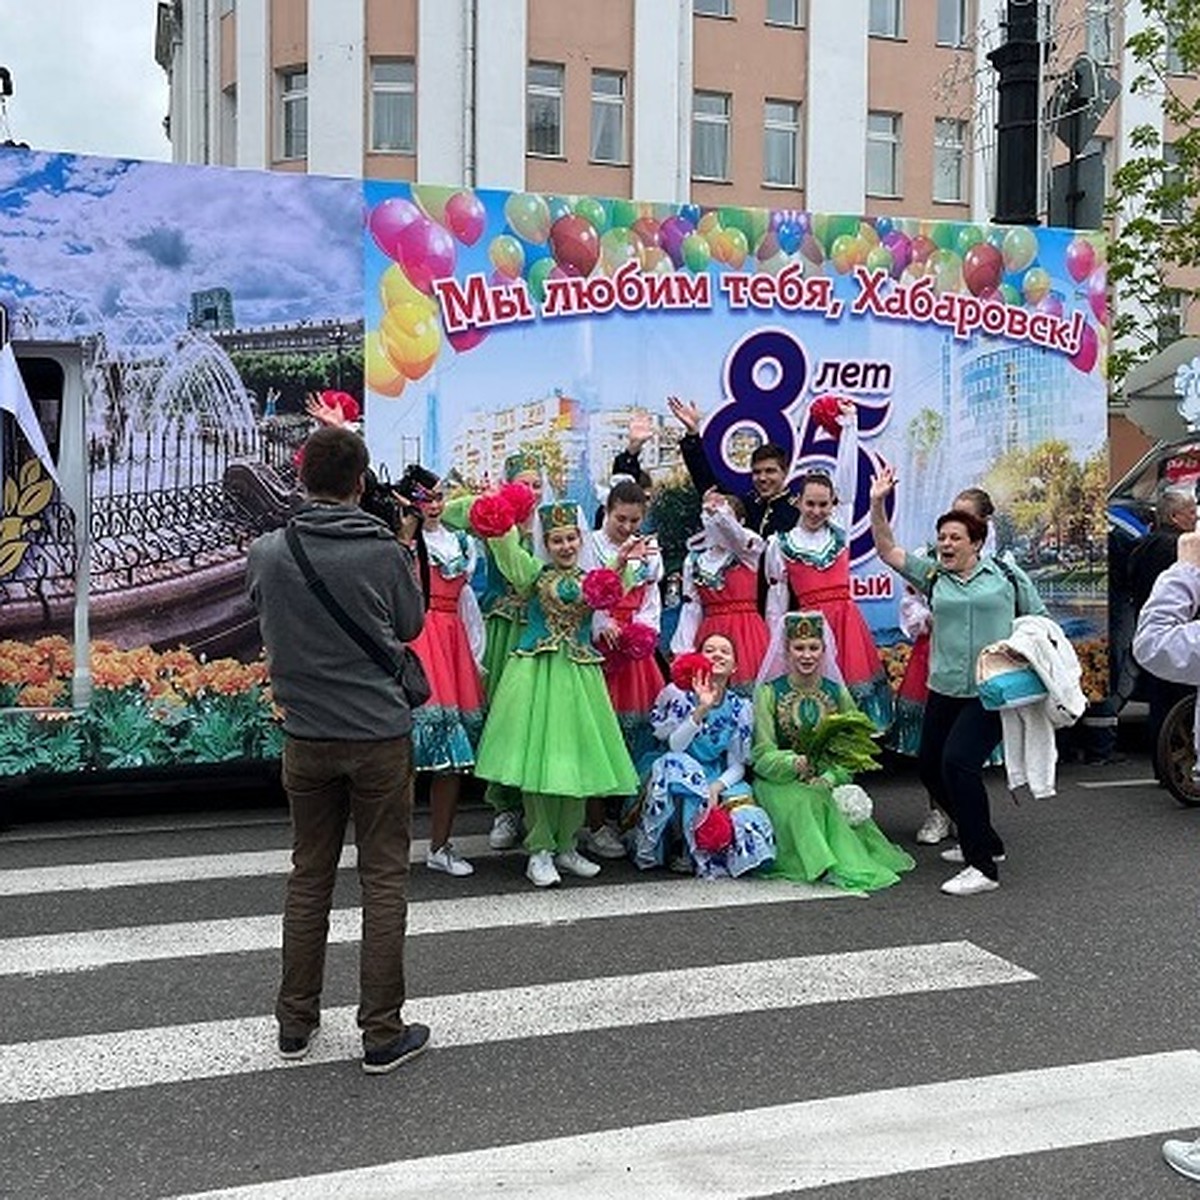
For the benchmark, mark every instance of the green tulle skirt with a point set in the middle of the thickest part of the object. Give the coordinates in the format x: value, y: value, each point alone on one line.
x: 814, y: 841
x: 500, y: 639
x: 551, y: 729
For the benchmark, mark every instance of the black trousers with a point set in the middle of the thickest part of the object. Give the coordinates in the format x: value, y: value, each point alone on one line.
x: 958, y: 736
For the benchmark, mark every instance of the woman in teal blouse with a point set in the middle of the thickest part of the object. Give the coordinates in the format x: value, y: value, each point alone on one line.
x: 974, y: 600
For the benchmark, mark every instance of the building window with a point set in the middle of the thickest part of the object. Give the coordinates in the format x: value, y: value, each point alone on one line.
x: 883, y: 154
x: 949, y: 160
x: 1175, y: 63
x: 712, y: 8
x: 951, y: 22
x: 227, y: 126
x: 608, y: 116
x: 1174, y: 210
x: 710, y: 135
x: 785, y: 12
x: 544, y: 110
x: 227, y: 6
x: 394, y: 106
x: 885, y: 19
x: 1097, y: 19
x: 293, y: 114
x: 781, y: 143
x: 1170, y: 317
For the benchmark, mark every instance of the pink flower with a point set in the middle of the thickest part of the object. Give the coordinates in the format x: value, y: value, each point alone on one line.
x: 602, y: 588
x: 491, y: 516
x: 520, y: 497
x: 637, y: 640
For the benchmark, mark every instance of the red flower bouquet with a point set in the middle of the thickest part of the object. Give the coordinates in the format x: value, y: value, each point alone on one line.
x: 637, y: 640
x: 332, y: 398
x: 825, y: 410
x: 714, y: 830
x: 520, y: 497
x: 686, y: 667
x: 491, y: 516
x: 602, y: 588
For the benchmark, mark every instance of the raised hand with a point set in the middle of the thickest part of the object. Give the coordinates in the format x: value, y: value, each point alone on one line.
x: 686, y: 413
x: 326, y: 414
x: 705, y: 689
x: 641, y: 428
x: 1188, y: 549
x: 883, y: 483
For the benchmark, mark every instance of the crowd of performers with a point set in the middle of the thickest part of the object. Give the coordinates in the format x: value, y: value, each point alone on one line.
x: 739, y: 752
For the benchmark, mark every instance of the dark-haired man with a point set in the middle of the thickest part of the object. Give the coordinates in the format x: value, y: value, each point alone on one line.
x: 770, y: 505
x: 347, y: 744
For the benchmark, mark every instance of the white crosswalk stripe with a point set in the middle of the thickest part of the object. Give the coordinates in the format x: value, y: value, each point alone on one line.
x: 106, y: 1062
x: 818, y: 1143
x: 90, y: 949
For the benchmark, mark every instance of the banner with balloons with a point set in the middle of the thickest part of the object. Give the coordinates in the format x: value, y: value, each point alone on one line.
x: 975, y: 354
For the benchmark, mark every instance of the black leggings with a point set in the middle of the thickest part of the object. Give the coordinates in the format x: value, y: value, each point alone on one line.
x: 958, y: 736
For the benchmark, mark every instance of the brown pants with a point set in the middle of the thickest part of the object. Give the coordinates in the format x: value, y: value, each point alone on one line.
x: 326, y: 783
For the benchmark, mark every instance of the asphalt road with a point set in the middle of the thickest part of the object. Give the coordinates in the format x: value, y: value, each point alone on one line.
x: 638, y: 1034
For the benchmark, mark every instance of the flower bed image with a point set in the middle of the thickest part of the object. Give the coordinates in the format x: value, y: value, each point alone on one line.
x: 149, y: 708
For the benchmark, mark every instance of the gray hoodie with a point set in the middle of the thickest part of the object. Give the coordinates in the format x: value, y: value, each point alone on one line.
x: 328, y: 687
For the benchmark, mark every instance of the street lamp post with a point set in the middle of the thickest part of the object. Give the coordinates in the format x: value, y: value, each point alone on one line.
x: 338, y: 335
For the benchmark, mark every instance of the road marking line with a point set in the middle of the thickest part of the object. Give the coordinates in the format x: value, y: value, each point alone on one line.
x: 791, y: 1147
x: 104, y: 1062
x: 90, y: 877
x: 1098, y: 784
x: 84, y: 950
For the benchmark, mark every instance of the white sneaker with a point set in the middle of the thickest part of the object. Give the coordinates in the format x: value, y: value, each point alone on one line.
x: 448, y: 861
x: 936, y: 828
x: 969, y: 882
x: 1183, y: 1157
x: 571, y: 862
x: 603, y: 842
x: 540, y: 871
x: 506, y: 830
x: 955, y: 855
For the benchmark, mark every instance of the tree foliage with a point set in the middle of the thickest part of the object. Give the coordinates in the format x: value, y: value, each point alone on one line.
x: 1154, y: 194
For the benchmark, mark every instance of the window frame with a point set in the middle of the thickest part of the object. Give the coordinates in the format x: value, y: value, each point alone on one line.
x: 290, y: 99
x: 964, y: 22
x: 545, y: 92
x: 799, y: 16
x: 601, y: 101
x: 894, y: 140
x: 724, y: 121
x: 898, y: 15
x: 381, y: 89
x: 725, y: 14
x: 959, y: 148
x: 792, y: 128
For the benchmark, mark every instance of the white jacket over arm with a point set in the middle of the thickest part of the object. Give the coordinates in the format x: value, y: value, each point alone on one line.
x: 1167, y: 639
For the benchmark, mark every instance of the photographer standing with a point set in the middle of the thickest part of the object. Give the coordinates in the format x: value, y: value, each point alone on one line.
x: 348, y: 742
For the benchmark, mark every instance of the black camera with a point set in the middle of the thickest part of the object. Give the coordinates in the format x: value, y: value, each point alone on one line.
x: 381, y: 497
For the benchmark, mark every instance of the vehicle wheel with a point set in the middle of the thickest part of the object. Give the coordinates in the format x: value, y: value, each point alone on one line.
x: 1175, y: 753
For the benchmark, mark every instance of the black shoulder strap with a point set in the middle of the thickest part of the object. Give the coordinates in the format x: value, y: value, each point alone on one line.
x: 1004, y: 569
x: 371, y: 648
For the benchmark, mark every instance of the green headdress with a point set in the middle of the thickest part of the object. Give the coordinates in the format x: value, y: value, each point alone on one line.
x: 520, y: 463
x: 804, y: 625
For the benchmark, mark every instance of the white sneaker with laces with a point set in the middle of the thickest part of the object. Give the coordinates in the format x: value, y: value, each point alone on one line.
x: 603, y: 842
x: 969, y: 882
x: 447, y: 860
x: 506, y: 830
x: 571, y: 862
x: 955, y: 855
x: 540, y: 871
x: 936, y: 828
x: 1183, y: 1157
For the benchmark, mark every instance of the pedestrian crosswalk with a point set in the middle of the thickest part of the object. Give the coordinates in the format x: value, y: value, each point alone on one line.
x: 742, y: 957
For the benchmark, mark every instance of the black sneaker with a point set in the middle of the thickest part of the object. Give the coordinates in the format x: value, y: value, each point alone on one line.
x: 293, y: 1048
x: 381, y: 1059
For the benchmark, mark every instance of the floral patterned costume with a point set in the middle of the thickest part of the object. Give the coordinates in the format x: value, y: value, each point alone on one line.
x: 717, y: 748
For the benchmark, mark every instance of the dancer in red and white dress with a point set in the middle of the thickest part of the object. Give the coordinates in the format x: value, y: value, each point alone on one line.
x: 627, y: 633
x: 808, y: 568
x: 720, y: 588
x: 450, y: 646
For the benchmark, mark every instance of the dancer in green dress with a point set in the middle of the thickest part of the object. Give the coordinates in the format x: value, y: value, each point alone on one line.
x: 551, y: 731
x: 809, y: 738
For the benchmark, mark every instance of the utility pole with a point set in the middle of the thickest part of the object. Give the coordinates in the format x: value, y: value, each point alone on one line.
x: 1018, y: 140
